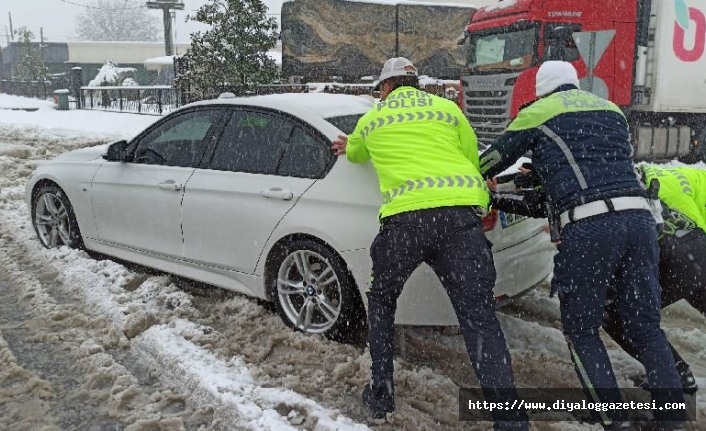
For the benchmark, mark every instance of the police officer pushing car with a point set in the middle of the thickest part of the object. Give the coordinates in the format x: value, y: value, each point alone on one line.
x: 426, y: 157
x: 582, y: 153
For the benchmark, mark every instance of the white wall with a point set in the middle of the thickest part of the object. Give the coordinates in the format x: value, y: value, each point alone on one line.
x: 118, y: 52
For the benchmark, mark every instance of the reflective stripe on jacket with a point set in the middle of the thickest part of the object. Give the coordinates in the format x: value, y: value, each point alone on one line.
x: 424, y: 151
x: 580, y: 147
x: 681, y: 189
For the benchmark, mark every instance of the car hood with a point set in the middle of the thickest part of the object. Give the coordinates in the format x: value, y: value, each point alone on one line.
x: 84, y: 154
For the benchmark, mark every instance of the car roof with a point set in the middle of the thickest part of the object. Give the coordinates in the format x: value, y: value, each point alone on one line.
x: 321, y: 104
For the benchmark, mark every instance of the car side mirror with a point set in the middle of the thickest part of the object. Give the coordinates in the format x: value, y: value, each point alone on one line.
x: 117, y: 152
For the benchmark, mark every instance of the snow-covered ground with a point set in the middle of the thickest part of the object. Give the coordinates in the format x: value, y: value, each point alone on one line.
x: 88, y: 343
x: 75, y: 122
x: 8, y: 101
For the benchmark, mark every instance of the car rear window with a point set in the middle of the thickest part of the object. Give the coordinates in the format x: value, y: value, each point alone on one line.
x: 345, y: 123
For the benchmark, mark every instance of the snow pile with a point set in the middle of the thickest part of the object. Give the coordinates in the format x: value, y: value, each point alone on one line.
x: 428, y: 80
x: 73, y: 123
x: 8, y: 101
x: 129, y: 82
x: 110, y: 74
x: 232, y: 384
x: 159, y: 62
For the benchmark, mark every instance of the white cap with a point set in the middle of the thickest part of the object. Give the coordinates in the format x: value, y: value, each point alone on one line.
x: 554, y: 74
x: 398, y: 66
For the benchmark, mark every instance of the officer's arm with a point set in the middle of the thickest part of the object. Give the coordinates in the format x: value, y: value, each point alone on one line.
x: 529, y: 203
x: 355, y: 149
x: 506, y: 150
x: 518, y: 139
x: 469, y: 141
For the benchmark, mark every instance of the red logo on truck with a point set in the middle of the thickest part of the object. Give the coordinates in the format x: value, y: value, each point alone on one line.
x: 685, y: 15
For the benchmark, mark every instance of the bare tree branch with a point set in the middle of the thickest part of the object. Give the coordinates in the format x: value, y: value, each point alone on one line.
x: 117, y: 20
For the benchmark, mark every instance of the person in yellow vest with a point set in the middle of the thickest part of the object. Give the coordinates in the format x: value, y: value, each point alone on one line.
x: 426, y: 157
x: 682, y: 254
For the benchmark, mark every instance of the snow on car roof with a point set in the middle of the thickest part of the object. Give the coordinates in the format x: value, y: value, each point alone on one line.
x: 322, y: 104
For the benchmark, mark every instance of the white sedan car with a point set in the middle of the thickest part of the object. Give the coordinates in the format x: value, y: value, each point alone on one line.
x: 246, y: 194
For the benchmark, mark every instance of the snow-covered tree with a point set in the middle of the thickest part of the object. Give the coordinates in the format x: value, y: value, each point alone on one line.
x: 30, y: 66
x: 118, y: 20
x: 234, y: 51
x: 112, y: 75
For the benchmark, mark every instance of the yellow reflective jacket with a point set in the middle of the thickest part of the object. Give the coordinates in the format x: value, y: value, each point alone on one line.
x: 682, y: 189
x: 424, y: 151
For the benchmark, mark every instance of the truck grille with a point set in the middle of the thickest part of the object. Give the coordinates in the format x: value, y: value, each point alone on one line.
x: 486, y: 102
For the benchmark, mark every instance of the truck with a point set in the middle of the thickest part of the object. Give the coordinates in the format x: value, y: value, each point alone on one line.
x: 646, y: 56
x: 350, y: 40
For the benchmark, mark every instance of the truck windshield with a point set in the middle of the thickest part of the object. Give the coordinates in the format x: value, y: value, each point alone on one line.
x: 505, y: 49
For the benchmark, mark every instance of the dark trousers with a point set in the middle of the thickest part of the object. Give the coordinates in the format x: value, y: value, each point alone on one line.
x: 682, y: 268
x: 451, y: 241
x: 616, y: 251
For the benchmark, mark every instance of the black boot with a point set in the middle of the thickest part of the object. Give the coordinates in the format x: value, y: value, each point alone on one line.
x: 688, y: 382
x: 379, y: 402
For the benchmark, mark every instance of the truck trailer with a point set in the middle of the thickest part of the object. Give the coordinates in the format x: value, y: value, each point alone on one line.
x: 647, y: 56
x: 351, y: 39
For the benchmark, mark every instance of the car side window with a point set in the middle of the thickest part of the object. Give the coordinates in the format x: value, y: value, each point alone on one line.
x: 304, y: 156
x: 252, y: 142
x: 178, y: 141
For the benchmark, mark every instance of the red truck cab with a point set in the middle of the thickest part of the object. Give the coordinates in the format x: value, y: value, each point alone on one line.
x: 507, y: 41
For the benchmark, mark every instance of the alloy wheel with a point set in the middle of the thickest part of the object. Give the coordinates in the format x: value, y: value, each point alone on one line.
x: 309, y: 291
x: 51, y: 218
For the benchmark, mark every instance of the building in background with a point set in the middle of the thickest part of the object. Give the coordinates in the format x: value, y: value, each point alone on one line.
x: 59, y: 57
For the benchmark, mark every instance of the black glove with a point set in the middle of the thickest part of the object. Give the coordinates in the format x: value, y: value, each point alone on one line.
x: 528, y: 203
x: 536, y: 201
x: 529, y: 180
x: 653, y: 189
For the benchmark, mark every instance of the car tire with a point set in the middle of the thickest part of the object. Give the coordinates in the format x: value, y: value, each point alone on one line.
x: 322, y: 300
x: 53, y: 218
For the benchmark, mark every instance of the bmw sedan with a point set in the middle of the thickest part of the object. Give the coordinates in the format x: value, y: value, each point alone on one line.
x: 246, y: 194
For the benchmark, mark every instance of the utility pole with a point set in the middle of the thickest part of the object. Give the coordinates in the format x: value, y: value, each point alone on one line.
x: 41, y: 43
x: 167, y: 6
x: 12, y: 33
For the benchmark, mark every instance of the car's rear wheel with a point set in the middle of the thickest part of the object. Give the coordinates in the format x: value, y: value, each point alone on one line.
x: 314, y: 293
x: 53, y: 218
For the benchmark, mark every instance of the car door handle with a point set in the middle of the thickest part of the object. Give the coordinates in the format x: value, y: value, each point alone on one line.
x: 277, y: 193
x: 170, y: 185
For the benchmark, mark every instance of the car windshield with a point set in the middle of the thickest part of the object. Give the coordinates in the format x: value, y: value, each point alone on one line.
x: 506, y: 49
x: 345, y: 123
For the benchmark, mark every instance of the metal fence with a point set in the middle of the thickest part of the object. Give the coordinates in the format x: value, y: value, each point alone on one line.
x: 158, y: 100
x: 447, y: 91
x: 154, y: 100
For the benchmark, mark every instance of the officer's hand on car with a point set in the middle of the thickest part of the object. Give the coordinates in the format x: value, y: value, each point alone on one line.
x: 492, y: 184
x: 529, y: 178
x: 339, y: 145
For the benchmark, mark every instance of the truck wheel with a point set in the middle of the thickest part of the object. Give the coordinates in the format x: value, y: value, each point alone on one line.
x: 314, y: 293
x: 700, y: 151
